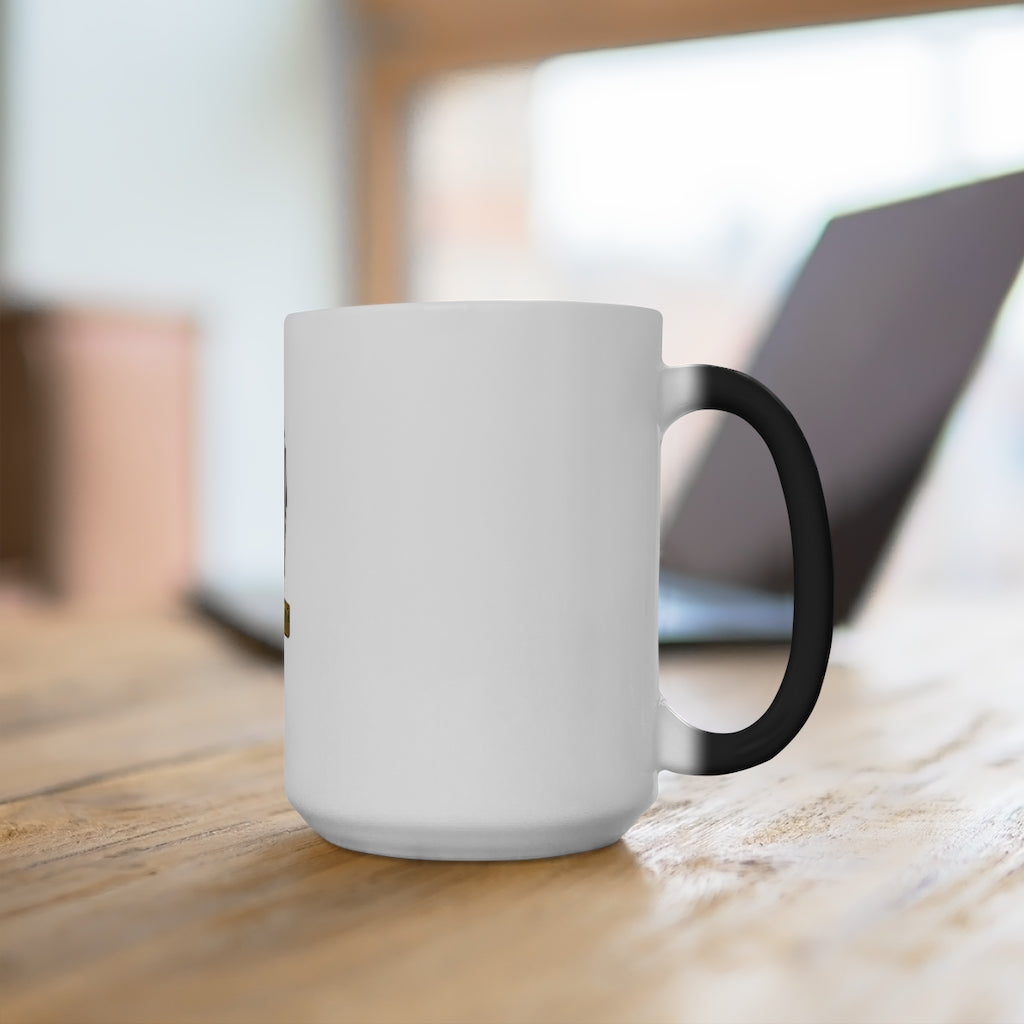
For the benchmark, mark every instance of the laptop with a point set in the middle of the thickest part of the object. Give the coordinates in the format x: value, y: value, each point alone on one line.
x: 870, y: 349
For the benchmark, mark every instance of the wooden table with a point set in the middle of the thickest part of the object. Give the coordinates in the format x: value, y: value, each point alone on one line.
x: 151, y: 868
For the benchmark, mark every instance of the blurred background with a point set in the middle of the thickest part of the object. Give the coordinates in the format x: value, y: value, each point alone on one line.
x: 176, y: 177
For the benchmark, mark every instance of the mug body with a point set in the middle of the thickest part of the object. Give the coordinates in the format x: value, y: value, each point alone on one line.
x: 471, y: 575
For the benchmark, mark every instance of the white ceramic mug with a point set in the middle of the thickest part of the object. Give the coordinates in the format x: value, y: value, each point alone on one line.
x: 472, y: 493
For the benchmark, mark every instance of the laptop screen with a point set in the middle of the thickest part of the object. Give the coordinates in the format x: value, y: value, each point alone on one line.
x: 870, y: 350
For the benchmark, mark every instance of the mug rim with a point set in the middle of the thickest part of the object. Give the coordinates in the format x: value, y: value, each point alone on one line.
x: 378, y: 308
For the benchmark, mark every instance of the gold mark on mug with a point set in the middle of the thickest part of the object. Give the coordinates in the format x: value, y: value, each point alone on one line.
x: 287, y: 620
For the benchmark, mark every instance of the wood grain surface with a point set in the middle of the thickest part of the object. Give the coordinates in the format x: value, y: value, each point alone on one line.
x: 151, y: 868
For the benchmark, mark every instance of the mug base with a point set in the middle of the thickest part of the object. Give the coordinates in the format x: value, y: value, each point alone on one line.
x: 471, y: 844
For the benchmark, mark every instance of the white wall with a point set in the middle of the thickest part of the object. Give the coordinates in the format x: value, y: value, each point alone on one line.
x: 186, y: 154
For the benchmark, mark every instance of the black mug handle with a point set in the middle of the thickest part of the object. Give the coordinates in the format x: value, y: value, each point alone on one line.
x: 683, y: 747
